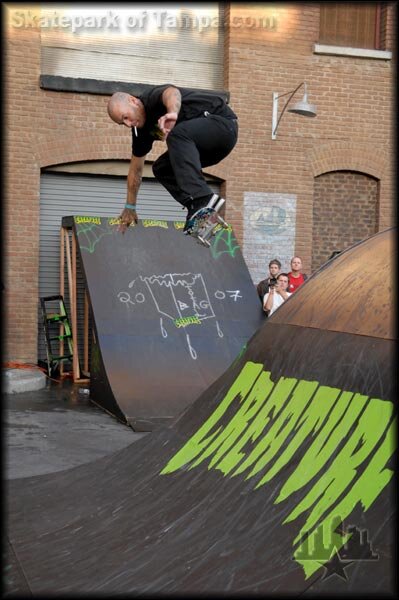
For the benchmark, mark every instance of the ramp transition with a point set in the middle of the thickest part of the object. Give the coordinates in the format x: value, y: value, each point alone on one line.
x: 169, y: 315
x: 279, y: 479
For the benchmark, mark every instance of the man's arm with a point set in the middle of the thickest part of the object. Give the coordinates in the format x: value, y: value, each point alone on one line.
x: 268, y: 302
x: 134, y: 177
x: 171, y: 99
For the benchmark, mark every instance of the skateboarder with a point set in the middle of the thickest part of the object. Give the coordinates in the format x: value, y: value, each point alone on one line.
x: 199, y: 128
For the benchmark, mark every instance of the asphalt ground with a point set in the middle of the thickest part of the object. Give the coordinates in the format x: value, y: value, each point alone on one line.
x: 57, y: 428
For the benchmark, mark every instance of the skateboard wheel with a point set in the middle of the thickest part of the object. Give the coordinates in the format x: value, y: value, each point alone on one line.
x: 219, y: 204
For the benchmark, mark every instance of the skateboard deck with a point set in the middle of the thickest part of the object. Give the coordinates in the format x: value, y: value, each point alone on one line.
x: 204, y: 223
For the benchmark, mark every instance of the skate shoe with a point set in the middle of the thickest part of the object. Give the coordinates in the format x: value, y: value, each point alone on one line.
x: 215, y: 202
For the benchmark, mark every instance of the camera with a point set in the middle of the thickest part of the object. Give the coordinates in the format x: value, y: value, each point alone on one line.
x: 273, y: 282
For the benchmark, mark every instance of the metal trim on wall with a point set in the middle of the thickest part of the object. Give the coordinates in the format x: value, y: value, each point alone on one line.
x: 57, y: 83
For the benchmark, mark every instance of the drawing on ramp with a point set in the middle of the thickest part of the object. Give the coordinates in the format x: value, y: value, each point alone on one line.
x: 278, y: 479
x: 169, y: 316
x: 187, y: 293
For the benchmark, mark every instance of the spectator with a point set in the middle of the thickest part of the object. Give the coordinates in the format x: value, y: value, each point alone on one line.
x: 263, y: 286
x: 276, y: 295
x: 296, y: 278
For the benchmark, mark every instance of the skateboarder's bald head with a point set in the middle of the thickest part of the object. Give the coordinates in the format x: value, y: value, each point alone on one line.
x: 117, y: 105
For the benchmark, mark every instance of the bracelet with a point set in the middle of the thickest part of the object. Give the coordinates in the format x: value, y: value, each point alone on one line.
x: 131, y: 206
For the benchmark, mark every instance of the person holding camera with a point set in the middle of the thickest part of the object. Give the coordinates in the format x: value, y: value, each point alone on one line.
x: 277, y: 294
x: 263, y: 286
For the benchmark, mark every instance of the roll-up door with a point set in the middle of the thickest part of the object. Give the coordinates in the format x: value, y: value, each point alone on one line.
x: 64, y: 194
x: 181, y: 43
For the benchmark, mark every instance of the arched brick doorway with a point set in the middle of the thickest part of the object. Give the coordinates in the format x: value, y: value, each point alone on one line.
x: 345, y: 211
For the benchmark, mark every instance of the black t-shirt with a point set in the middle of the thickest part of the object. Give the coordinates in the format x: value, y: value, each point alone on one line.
x: 262, y: 288
x: 193, y: 104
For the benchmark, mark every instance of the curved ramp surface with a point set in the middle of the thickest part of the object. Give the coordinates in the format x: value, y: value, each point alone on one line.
x: 169, y: 315
x: 279, y: 479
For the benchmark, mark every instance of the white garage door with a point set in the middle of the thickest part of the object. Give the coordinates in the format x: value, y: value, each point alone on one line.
x: 64, y: 194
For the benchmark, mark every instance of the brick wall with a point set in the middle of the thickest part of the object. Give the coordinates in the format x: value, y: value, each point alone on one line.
x: 353, y: 131
x: 345, y: 211
x: 387, y: 26
x: 21, y: 206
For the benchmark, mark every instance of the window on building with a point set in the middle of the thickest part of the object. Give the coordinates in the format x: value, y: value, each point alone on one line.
x: 136, y: 42
x: 351, y: 24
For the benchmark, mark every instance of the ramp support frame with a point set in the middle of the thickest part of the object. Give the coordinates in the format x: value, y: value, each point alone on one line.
x: 68, y: 253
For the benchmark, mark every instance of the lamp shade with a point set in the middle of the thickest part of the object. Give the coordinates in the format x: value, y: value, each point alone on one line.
x: 304, y: 108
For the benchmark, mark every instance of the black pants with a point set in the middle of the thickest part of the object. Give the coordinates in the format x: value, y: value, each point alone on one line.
x: 193, y: 145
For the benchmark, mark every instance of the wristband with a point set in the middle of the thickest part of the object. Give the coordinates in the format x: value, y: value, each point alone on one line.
x: 131, y: 206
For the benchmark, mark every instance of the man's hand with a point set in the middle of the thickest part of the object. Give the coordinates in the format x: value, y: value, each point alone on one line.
x: 127, y: 217
x: 167, y: 122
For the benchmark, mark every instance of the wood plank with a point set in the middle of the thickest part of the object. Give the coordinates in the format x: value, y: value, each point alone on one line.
x: 70, y: 285
x: 76, y: 369
x: 86, y: 334
x: 62, y: 292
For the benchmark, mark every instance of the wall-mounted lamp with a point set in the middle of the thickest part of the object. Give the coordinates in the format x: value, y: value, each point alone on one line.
x: 300, y: 108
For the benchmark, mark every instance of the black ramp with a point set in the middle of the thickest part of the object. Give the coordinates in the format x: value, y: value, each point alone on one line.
x: 170, y: 315
x: 278, y: 479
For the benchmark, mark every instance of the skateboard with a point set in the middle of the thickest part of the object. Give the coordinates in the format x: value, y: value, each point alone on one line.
x: 203, y: 225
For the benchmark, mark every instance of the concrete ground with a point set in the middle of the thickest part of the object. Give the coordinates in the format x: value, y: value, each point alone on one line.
x: 57, y: 428
x: 48, y: 430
